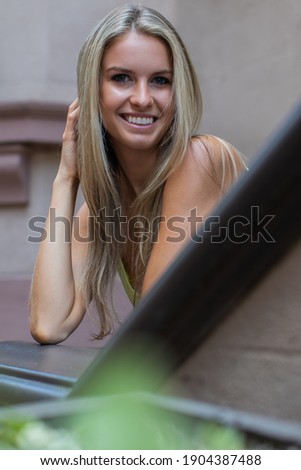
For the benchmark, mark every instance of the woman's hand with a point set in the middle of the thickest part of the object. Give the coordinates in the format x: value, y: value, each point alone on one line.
x: 68, y: 166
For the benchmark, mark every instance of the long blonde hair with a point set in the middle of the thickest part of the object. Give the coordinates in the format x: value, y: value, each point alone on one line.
x: 98, y: 169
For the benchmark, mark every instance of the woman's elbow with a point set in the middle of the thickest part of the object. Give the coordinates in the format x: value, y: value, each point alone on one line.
x: 45, y: 334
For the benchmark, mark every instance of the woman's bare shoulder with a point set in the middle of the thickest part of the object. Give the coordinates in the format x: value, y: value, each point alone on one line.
x: 191, y: 192
x: 210, y: 166
x: 220, y: 159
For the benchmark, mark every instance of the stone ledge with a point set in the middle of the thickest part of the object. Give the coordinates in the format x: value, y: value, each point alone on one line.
x: 22, y: 127
x: 13, y: 175
x: 32, y: 123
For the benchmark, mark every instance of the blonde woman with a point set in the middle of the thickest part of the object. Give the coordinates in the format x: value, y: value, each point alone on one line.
x: 130, y: 143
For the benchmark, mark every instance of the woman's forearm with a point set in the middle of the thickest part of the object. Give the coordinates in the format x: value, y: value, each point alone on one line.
x: 53, y: 292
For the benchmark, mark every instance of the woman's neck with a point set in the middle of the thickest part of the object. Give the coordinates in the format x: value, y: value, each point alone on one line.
x: 137, y: 166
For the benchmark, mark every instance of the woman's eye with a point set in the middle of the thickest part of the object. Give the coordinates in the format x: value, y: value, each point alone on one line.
x: 120, y: 77
x: 161, y: 81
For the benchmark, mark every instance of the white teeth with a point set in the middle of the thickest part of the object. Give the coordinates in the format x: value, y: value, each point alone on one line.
x: 140, y: 121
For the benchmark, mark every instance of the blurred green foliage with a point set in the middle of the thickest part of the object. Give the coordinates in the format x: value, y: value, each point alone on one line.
x: 123, y: 419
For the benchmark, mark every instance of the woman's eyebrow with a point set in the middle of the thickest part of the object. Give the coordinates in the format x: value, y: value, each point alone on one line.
x: 116, y: 68
x: 164, y: 72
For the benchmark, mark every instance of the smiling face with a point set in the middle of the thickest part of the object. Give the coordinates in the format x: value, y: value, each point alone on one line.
x: 136, y: 92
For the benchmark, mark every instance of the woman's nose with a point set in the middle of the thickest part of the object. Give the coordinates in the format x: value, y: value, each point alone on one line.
x: 141, y: 96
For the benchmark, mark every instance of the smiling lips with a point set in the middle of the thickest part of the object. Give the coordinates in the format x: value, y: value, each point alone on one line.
x: 139, y: 120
